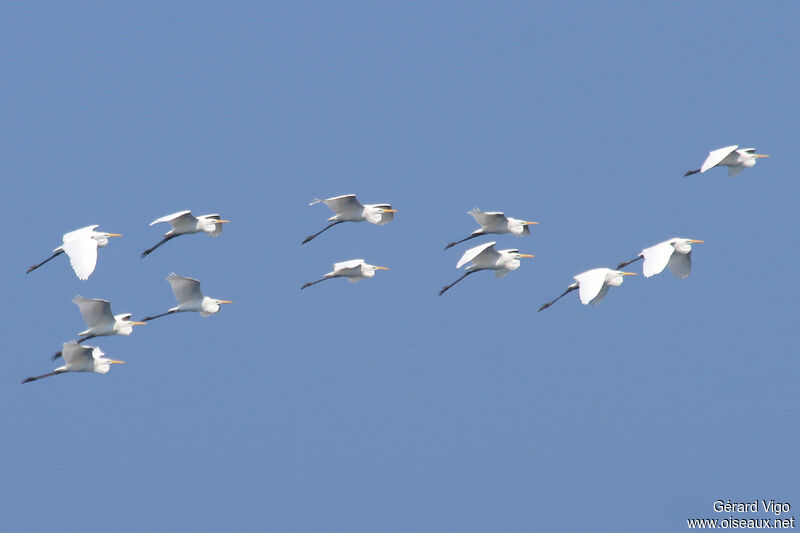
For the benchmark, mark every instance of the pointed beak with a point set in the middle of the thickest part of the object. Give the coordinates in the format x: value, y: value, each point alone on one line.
x: 222, y: 221
x: 225, y: 302
x: 389, y: 210
x: 628, y: 273
x: 760, y: 155
x: 525, y: 255
x: 526, y: 223
x: 139, y: 323
x: 115, y: 234
x: 696, y: 241
x: 115, y: 361
x: 381, y: 268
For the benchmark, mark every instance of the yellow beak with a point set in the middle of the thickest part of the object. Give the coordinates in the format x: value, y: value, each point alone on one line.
x: 525, y: 255
x: 529, y: 223
x: 628, y: 273
x: 115, y: 361
x: 225, y: 302
x: 388, y: 210
x: 381, y: 268
x: 115, y: 234
x: 696, y: 241
x: 139, y: 323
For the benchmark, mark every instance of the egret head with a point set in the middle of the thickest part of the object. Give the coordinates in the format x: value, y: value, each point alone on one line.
x: 513, y: 256
x: 615, y: 277
x: 102, y: 365
x: 368, y: 271
x: 124, y: 324
x: 102, y: 237
x: 684, y: 246
x: 519, y: 227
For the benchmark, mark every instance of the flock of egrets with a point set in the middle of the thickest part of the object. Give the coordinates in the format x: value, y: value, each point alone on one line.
x: 81, y: 246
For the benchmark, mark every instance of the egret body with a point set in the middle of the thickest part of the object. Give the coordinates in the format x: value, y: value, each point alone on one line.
x: 354, y: 270
x: 81, y: 247
x: 486, y: 257
x: 733, y: 157
x: 495, y: 222
x: 347, y: 208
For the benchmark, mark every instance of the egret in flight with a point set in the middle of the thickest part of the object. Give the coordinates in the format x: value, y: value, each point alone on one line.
x: 101, y: 321
x: 675, y: 253
x: 495, y: 222
x: 593, y: 285
x: 81, y: 248
x: 187, y: 292
x: 348, y: 209
x: 184, y: 223
x: 485, y: 257
x: 733, y: 157
x: 79, y: 358
x: 354, y: 270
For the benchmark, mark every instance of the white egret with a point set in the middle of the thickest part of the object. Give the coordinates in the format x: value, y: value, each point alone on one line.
x: 348, y: 209
x: 79, y: 358
x: 733, y: 157
x: 81, y: 248
x: 495, y: 222
x: 101, y: 321
x: 593, y: 285
x: 675, y: 253
x: 486, y: 257
x: 184, y: 223
x: 354, y: 270
x: 187, y: 292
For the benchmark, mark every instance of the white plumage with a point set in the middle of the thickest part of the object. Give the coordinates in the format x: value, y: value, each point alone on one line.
x: 184, y: 222
x: 81, y: 246
x: 354, y: 270
x: 190, y: 298
x: 486, y: 257
x: 347, y: 208
x: 733, y: 157
x: 495, y: 222
x: 676, y: 253
x: 78, y: 358
x: 101, y: 321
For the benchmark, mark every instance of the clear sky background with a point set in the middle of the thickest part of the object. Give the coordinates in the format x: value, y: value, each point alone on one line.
x: 379, y: 406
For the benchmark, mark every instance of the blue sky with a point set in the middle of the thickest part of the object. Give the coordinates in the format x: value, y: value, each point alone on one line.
x: 379, y: 406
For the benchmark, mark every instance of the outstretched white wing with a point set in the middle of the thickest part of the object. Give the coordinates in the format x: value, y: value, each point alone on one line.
x: 173, y: 218
x: 680, y: 265
x: 715, y: 157
x: 488, y: 219
x: 343, y: 204
x: 80, y: 232
x: 82, y: 253
x: 186, y: 290
x: 344, y: 265
x: 656, y: 258
x: 95, y: 312
x: 76, y: 355
x: 473, y: 253
x: 590, y: 285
